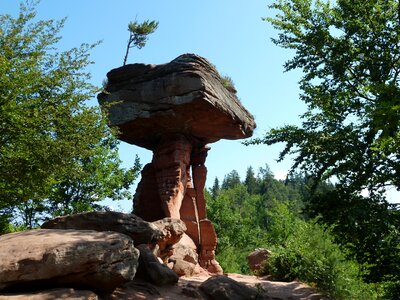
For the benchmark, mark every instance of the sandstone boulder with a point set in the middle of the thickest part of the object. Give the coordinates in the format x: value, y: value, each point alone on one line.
x: 140, y: 231
x: 221, y: 287
x: 98, y: 261
x: 184, y: 257
x: 257, y: 259
x: 184, y: 96
x: 172, y: 231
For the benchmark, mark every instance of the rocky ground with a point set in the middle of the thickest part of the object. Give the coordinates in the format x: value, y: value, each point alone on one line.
x: 63, y: 261
x: 188, y: 288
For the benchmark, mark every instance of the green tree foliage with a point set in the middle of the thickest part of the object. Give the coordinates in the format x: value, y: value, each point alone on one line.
x: 273, y: 216
x: 235, y: 217
x: 214, y: 191
x: 349, y: 54
x: 306, y: 251
x: 99, y: 177
x: 54, y: 148
x: 251, y: 181
x: 231, y: 180
x: 369, y: 229
x: 241, y: 217
x: 138, y: 35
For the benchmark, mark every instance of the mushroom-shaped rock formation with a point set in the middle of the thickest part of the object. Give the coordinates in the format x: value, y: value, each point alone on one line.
x: 184, y: 96
x: 175, y: 110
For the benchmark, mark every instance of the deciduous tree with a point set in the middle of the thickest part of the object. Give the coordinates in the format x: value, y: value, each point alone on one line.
x: 349, y: 53
x: 51, y: 140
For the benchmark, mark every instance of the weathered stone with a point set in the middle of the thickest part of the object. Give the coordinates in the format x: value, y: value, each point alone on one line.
x: 185, y: 257
x: 171, y: 161
x: 175, y: 110
x: 208, y: 242
x: 184, y: 96
x: 185, y: 249
x: 183, y: 268
x: 151, y: 269
x: 257, y: 259
x: 147, y: 202
x: 175, y: 171
x: 168, y: 175
x: 199, y: 176
x: 140, y: 231
x: 172, y: 231
x: 84, y: 259
x: 224, y: 288
x: 61, y: 293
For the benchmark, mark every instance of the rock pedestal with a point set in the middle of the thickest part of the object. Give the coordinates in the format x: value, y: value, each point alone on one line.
x: 171, y: 163
x: 175, y: 110
x: 178, y: 174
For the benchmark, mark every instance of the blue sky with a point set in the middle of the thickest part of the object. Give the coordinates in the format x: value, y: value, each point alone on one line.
x: 230, y: 34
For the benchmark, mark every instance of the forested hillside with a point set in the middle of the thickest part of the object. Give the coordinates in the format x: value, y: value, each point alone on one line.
x: 348, y: 249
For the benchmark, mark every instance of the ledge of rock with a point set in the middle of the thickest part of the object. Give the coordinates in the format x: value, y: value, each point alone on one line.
x: 84, y: 259
x: 185, y: 96
x: 140, y: 231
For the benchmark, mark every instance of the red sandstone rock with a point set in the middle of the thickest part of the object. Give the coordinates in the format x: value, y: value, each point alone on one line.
x: 171, y: 161
x: 174, y: 110
x: 147, y: 202
x: 86, y: 259
x: 184, y: 96
x: 172, y: 231
x: 199, y: 175
x: 208, y: 242
x: 140, y: 231
x: 184, y: 257
x: 258, y: 258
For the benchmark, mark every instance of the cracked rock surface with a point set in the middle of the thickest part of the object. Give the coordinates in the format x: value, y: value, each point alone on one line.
x: 84, y: 259
x: 184, y: 96
x: 140, y: 231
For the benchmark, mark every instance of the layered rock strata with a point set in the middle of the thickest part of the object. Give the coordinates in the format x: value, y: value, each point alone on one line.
x: 185, y: 96
x: 140, y: 231
x: 83, y: 259
x: 175, y: 110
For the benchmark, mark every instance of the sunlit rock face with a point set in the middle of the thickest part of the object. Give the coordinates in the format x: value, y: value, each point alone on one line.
x: 175, y: 110
x: 184, y: 96
x: 82, y: 259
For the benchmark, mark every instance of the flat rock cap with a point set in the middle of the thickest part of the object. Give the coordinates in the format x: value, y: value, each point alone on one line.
x: 185, y: 96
